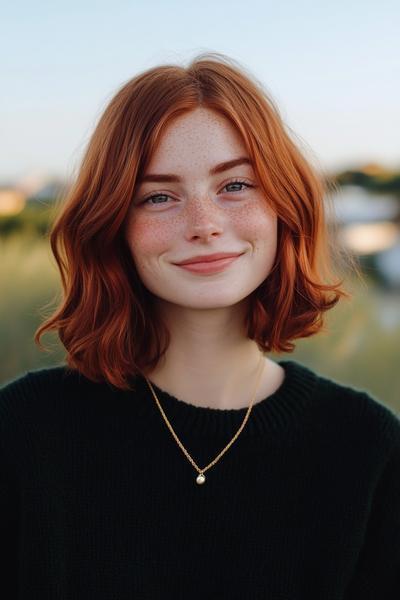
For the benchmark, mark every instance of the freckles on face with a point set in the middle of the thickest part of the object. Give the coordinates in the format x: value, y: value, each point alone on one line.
x: 149, y: 238
x: 256, y: 223
x: 200, y: 214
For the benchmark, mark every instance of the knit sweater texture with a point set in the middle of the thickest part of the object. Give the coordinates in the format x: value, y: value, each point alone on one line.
x: 98, y: 502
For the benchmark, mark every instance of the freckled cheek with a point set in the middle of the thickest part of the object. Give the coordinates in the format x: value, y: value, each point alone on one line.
x: 255, y: 224
x: 148, y: 238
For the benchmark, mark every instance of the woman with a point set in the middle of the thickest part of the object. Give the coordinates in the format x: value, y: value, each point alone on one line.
x: 170, y: 457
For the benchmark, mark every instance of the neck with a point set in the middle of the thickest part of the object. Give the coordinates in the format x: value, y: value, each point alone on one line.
x: 210, y: 361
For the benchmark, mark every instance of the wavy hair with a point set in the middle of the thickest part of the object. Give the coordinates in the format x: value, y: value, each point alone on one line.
x: 106, y: 318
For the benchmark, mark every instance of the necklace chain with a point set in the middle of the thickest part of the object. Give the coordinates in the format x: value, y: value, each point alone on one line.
x: 201, y: 478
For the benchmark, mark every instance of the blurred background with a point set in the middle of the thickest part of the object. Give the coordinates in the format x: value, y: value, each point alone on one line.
x: 333, y: 69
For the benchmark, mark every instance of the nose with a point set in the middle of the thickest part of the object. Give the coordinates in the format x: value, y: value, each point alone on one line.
x: 203, y: 220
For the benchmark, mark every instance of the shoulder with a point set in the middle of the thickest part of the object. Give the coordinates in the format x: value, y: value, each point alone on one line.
x: 31, y: 381
x: 353, y: 429
x: 356, y: 409
x: 32, y: 391
x: 339, y: 411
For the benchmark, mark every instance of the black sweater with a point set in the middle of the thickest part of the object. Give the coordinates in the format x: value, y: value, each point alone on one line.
x: 97, y: 500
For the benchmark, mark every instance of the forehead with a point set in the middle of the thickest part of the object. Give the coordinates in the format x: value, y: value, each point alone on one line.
x: 201, y: 136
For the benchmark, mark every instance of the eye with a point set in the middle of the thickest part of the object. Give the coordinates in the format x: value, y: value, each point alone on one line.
x: 163, y: 198
x: 153, y: 197
x: 237, y: 183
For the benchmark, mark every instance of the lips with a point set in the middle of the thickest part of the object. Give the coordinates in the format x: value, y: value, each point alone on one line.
x: 210, y: 267
x: 208, y: 258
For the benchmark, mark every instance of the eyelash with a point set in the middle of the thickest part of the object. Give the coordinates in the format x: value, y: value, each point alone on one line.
x: 237, y: 181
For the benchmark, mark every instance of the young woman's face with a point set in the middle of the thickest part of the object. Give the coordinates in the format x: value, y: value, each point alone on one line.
x: 185, y: 209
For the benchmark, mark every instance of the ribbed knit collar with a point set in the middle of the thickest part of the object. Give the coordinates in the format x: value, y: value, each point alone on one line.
x: 277, y: 411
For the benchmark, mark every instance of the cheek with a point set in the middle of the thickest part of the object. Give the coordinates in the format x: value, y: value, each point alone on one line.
x: 257, y: 224
x: 147, y: 237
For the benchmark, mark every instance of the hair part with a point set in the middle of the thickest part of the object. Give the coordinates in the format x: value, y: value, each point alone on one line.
x: 106, y: 319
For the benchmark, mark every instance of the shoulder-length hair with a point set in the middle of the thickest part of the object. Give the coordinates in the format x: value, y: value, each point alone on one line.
x: 106, y: 318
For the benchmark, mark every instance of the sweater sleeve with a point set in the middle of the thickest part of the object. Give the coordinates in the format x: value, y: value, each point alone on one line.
x: 9, y: 496
x: 377, y: 573
x: 8, y: 534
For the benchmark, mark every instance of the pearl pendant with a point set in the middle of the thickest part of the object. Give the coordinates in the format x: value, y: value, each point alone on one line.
x: 200, y: 478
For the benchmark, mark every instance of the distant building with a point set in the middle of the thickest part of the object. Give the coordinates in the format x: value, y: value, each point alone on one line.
x: 12, y: 200
x: 369, y: 226
x: 48, y: 191
x: 353, y: 204
x: 15, y: 196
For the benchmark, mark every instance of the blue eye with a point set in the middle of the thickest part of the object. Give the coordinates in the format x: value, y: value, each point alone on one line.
x: 237, y: 182
x: 155, y: 196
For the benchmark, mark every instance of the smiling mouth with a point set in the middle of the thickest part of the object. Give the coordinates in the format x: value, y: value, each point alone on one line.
x: 214, y: 266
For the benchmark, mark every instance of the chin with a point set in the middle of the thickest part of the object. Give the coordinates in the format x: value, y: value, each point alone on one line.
x: 207, y: 302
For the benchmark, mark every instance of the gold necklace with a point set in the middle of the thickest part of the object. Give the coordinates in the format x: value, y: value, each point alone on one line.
x: 201, y: 477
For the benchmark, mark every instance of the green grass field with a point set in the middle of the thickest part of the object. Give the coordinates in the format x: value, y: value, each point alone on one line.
x: 359, y: 348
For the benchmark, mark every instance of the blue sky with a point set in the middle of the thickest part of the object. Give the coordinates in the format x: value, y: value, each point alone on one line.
x: 333, y: 68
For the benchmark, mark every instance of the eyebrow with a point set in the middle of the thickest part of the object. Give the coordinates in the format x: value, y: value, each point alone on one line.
x: 171, y: 178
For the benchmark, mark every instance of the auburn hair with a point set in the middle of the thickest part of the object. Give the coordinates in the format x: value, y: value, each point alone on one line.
x: 106, y: 318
